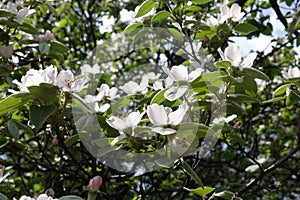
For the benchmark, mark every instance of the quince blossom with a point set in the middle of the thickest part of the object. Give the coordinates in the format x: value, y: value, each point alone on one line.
x: 131, y: 88
x: 131, y: 121
x: 36, y: 77
x: 20, y: 14
x: 92, y: 103
x: 291, y: 73
x: 160, y: 115
x: 105, y: 91
x: 233, y: 54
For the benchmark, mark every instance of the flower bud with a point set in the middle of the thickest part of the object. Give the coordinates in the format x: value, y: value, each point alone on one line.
x: 49, y: 36
x: 95, y: 184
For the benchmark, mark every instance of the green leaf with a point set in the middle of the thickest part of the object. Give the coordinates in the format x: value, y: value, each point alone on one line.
x: 44, y: 47
x: 25, y: 128
x: 13, y: 102
x: 52, y: 9
x: 228, y: 195
x: 160, y: 16
x: 292, y: 98
x: 5, y: 13
x: 223, y: 64
x: 201, y: 1
x: 71, y: 140
x: 38, y: 115
x: 46, y: 92
x: 189, y: 170
x: 252, y: 168
x: 70, y: 197
x: 281, y: 90
x: 159, y: 97
x: 274, y: 100
x: 145, y: 8
x: 235, y: 108
x: 132, y: 27
x: 245, y: 28
x: 3, y: 197
x: 201, y: 191
x: 242, y: 98
x: 176, y: 34
x: 13, y: 129
x: 28, y: 28
x: 256, y: 73
x: 56, y: 46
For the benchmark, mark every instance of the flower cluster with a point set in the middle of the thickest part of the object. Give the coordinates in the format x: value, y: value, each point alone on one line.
x: 233, y: 13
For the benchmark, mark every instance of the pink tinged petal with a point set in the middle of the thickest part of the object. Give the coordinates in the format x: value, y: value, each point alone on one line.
x: 116, y: 123
x: 248, y: 61
x: 94, y: 184
x: 179, y: 73
x: 133, y: 119
x: 157, y: 114
x: 232, y: 54
x: 175, y: 93
x: 164, y: 131
x: 177, y: 116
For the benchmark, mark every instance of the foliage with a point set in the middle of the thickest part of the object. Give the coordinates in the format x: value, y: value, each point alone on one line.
x: 62, y: 77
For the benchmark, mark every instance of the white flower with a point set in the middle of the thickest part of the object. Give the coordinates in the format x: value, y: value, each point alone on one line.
x: 91, y: 102
x: 177, y: 73
x: 44, y: 197
x: 26, y: 198
x: 131, y: 88
x: 163, y: 83
x: 65, y: 79
x: 234, y: 13
x: 160, y: 115
x: 35, y: 78
x: 105, y: 91
x: 233, y: 54
x: 176, y: 92
x: 131, y: 121
x: 20, y: 15
x: 32, y: 78
x: 291, y: 73
x: 49, y: 74
x: 87, y: 69
x: 6, y: 51
x: 180, y: 73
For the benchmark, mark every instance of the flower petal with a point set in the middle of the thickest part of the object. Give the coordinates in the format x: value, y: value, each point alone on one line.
x: 177, y: 116
x: 248, y: 61
x: 175, y: 93
x: 157, y: 114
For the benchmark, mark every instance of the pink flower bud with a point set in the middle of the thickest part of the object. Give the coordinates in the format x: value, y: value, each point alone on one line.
x: 236, y: 125
x: 55, y: 141
x: 49, y: 36
x: 6, y: 51
x: 95, y: 184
